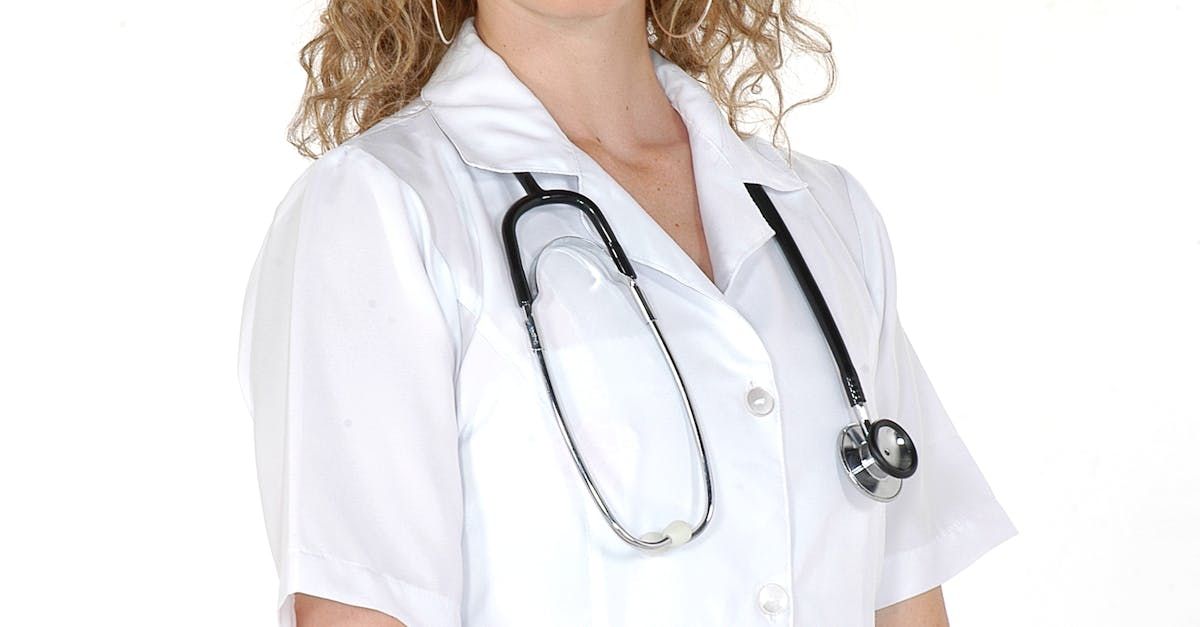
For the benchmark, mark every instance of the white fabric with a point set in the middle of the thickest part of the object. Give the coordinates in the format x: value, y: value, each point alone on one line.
x: 408, y: 457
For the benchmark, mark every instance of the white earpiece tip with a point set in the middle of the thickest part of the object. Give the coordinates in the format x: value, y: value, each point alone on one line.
x: 679, y: 532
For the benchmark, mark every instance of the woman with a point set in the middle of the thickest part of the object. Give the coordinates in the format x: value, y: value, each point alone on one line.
x: 412, y: 466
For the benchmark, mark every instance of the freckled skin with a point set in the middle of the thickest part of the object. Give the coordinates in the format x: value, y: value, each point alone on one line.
x: 317, y: 612
x: 924, y: 610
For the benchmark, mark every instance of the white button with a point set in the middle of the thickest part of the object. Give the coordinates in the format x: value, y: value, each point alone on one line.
x: 773, y: 599
x: 760, y: 401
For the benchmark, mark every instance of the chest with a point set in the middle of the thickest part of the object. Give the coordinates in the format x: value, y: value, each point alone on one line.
x: 661, y: 183
x: 785, y: 521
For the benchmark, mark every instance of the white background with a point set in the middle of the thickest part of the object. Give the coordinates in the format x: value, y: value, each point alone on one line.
x: 1036, y: 163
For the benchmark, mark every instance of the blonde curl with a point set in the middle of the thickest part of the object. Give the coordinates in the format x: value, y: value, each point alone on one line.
x: 370, y: 58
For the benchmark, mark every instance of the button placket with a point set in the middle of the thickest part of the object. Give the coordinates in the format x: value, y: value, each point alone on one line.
x: 769, y: 592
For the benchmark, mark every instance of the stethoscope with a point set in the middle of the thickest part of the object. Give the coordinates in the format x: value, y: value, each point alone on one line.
x: 877, y: 455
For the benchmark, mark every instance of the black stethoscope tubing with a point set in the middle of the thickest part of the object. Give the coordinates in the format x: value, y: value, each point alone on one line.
x: 538, y: 197
x: 812, y: 292
x: 833, y: 337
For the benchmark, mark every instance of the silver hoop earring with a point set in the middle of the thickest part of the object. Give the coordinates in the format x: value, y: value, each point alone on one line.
x: 437, y: 21
x: 657, y: 22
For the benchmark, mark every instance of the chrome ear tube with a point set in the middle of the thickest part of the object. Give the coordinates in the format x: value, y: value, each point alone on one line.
x: 675, y: 533
x: 878, y: 455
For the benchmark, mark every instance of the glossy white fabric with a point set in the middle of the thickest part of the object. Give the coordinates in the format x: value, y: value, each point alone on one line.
x: 408, y: 457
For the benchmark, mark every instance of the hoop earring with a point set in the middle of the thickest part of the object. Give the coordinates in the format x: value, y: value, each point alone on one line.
x: 654, y: 14
x: 438, y: 23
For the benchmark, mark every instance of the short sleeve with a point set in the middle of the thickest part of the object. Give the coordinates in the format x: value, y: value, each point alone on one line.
x: 347, y: 364
x: 946, y: 516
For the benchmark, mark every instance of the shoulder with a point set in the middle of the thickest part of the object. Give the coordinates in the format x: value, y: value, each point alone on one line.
x: 381, y: 180
x: 840, y: 199
x: 410, y: 149
x: 839, y: 194
x: 823, y: 178
x: 399, y: 150
x: 400, y: 165
x: 402, y: 176
x: 374, y: 208
x: 409, y: 142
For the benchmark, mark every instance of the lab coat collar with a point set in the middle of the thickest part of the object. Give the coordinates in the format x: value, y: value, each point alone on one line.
x: 496, y: 123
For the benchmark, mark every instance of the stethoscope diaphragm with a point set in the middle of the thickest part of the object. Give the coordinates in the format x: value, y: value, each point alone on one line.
x: 877, y: 455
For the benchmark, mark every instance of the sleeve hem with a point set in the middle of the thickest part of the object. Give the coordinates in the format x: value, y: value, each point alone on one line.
x: 922, y: 568
x: 361, y: 586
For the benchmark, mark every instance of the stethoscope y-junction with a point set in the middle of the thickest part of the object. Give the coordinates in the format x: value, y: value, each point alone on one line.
x: 877, y: 454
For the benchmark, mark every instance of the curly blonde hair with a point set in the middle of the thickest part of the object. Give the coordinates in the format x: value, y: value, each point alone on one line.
x: 370, y: 58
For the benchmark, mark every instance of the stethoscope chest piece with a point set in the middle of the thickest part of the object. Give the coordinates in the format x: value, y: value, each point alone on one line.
x: 878, y: 456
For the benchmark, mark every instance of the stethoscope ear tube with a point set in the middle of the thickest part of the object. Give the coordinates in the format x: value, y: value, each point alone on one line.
x: 678, y: 532
x: 536, y: 197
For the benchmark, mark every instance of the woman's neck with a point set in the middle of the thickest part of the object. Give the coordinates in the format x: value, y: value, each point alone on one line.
x: 593, y: 74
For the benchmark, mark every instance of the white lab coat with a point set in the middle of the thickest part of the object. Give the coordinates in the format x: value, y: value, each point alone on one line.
x: 408, y: 457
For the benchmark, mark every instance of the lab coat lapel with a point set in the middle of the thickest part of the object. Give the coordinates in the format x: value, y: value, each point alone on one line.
x: 733, y: 226
x: 496, y: 123
x: 645, y: 242
x: 491, y: 117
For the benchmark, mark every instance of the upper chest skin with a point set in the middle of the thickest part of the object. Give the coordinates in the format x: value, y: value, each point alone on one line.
x: 660, y: 178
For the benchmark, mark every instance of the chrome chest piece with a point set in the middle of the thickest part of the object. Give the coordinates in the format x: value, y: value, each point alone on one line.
x: 878, y: 455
